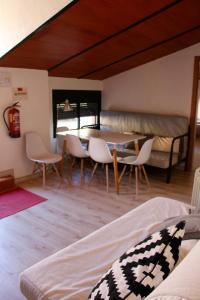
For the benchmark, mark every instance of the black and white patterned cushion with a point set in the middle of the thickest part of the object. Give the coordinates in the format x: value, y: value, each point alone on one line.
x: 141, y: 269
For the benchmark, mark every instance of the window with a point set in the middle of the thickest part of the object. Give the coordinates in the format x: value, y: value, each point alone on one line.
x: 85, y: 109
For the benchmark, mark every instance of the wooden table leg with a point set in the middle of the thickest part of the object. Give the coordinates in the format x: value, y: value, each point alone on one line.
x: 137, y: 150
x: 115, y: 170
x: 63, y: 157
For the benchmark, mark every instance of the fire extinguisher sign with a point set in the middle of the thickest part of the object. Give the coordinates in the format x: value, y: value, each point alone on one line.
x: 20, y: 93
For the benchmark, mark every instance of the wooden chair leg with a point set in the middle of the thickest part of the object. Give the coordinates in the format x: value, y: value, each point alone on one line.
x: 73, y: 162
x: 136, y: 180
x: 122, y: 173
x: 115, y: 166
x: 82, y: 171
x: 140, y: 173
x: 34, y: 167
x: 56, y: 170
x: 130, y: 175
x: 44, y: 175
x: 107, y: 178
x: 145, y: 176
x: 61, y: 164
x: 93, y: 171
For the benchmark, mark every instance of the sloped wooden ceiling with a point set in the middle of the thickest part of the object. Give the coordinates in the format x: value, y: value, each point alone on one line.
x: 96, y: 39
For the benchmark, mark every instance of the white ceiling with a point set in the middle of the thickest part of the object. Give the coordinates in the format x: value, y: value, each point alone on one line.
x: 18, y: 18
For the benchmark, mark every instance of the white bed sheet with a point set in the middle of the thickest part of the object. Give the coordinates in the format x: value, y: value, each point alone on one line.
x: 72, y: 272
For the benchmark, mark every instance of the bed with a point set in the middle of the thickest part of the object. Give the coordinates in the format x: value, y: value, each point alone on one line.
x: 72, y: 272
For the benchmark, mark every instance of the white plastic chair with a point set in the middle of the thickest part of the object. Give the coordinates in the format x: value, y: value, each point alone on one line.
x: 37, y: 152
x: 61, y: 145
x: 100, y: 153
x: 75, y: 149
x: 60, y: 140
x: 138, y: 162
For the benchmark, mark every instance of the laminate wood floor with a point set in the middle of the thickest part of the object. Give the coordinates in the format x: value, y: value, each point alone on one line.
x: 71, y: 213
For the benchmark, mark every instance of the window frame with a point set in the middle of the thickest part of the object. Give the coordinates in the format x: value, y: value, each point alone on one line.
x: 75, y: 96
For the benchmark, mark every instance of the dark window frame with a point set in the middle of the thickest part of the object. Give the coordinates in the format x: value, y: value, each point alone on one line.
x: 78, y: 97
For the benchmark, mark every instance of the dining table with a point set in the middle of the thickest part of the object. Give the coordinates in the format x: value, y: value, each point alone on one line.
x: 112, y: 138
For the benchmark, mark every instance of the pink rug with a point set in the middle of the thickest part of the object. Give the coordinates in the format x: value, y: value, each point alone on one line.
x: 17, y: 200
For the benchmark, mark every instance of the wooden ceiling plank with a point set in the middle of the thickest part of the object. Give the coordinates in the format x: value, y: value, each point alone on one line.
x: 148, y: 56
x: 101, y: 38
x: 79, y: 27
x: 161, y: 28
x: 115, y: 34
x: 175, y: 40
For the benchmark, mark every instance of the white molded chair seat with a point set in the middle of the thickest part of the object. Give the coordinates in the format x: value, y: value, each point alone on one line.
x: 100, y: 153
x: 129, y: 160
x: 75, y: 149
x: 37, y: 152
x: 138, y: 161
x: 48, y: 158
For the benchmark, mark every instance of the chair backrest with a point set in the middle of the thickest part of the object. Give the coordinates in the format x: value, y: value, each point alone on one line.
x: 60, y: 138
x: 99, y: 151
x: 74, y: 146
x: 145, y: 152
x: 34, y: 145
x: 195, y: 201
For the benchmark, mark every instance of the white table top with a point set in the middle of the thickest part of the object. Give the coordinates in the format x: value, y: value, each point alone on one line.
x: 114, y: 138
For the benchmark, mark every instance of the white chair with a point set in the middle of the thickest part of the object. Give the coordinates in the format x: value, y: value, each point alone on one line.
x: 61, y: 145
x: 37, y: 152
x: 60, y: 140
x: 138, y: 162
x: 100, y: 153
x: 75, y: 149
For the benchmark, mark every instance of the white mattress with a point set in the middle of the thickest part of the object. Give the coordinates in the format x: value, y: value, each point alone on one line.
x: 72, y: 272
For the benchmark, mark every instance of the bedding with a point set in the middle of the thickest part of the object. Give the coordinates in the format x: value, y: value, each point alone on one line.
x: 71, y: 273
x: 184, y: 282
x: 186, y: 247
x: 141, y: 269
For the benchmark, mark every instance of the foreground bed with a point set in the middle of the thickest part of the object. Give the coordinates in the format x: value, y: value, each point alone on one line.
x: 72, y: 272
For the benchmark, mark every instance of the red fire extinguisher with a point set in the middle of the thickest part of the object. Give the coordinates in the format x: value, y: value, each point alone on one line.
x: 13, y: 123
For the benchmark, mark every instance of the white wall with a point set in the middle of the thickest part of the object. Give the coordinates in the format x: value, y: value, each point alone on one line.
x: 162, y: 86
x: 34, y: 115
x: 74, y: 84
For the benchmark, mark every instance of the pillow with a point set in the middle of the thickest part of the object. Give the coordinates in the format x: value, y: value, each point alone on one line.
x: 139, y: 270
x: 164, y: 144
x: 192, y: 227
